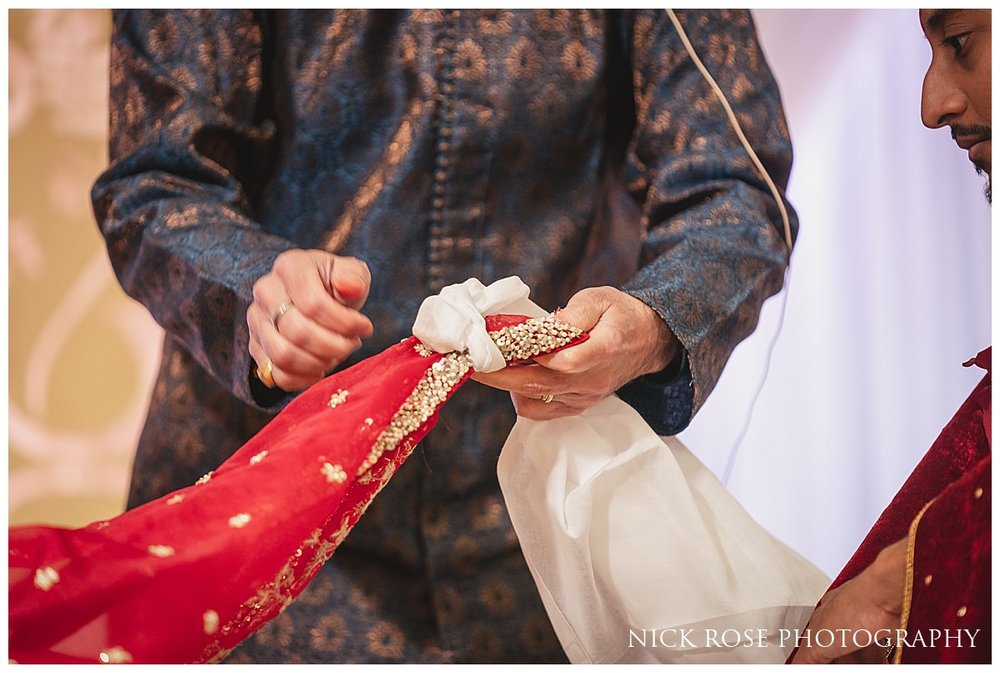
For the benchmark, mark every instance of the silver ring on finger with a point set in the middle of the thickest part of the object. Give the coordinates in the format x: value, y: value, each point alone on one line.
x: 282, y: 310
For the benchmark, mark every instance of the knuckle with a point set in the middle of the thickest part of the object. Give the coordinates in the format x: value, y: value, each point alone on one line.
x: 292, y: 328
x: 533, y: 389
x: 310, y: 304
x: 569, y: 360
x: 282, y: 354
x: 260, y: 287
x: 284, y: 262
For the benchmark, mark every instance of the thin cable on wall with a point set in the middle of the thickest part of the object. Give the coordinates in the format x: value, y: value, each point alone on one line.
x: 734, y: 122
x: 736, y: 127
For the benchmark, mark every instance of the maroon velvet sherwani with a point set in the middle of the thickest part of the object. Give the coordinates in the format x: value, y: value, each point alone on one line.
x: 943, y: 509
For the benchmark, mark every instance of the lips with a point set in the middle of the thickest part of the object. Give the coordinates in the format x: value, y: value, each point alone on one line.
x: 968, y: 142
x: 979, y: 153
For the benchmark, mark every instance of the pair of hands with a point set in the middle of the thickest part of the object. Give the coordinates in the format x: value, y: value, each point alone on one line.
x: 322, y: 325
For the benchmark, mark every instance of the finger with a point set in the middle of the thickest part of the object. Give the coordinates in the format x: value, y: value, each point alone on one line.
x: 330, y: 347
x: 311, y: 297
x: 529, y: 380
x: 584, y: 311
x: 297, y: 367
x: 279, y: 379
x: 257, y: 352
x: 351, y: 281
x: 540, y: 410
x: 305, y: 276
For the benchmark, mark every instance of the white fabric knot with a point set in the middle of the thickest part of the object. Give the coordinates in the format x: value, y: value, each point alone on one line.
x: 453, y: 319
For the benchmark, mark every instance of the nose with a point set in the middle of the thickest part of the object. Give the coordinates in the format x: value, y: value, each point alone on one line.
x: 941, y: 101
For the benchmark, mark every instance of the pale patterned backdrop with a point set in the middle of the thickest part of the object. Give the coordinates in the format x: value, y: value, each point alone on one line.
x: 890, y: 286
x: 82, y: 355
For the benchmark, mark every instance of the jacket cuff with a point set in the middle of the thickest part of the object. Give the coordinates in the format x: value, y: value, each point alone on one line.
x: 664, y: 399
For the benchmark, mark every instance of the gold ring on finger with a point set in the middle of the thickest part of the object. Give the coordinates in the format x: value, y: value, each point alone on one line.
x: 264, y: 373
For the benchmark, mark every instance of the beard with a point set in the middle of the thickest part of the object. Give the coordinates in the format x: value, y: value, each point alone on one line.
x: 988, y: 187
x: 987, y: 134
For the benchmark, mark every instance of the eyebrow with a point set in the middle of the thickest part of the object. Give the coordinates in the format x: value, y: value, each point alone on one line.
x: 936, y: 20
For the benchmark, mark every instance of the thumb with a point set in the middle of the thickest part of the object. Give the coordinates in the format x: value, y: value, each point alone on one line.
x: 351, y: 280
x: 584, y: 309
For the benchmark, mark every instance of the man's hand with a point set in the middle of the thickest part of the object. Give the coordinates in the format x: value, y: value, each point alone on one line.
x: 869, y: 603
x: 305, y: 315
x: 627, y: 339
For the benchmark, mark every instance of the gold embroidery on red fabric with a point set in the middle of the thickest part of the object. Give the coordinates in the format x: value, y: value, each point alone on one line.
x: 334, y: 473
x: 516, y: 342
x: 176, y: 499
x: 46, y: 578
x: 116, y: 655
x: 239, y: 520
x: 259, y: 457
x: 533, y: 337
x: 911, y: 550
x: 430, y: 392
x: 338, y: 398
x: 161, y: 550
x: 210, y: 622
x: 269, y: 600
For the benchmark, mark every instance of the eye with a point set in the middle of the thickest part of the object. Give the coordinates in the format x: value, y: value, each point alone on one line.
x: 956, y: 42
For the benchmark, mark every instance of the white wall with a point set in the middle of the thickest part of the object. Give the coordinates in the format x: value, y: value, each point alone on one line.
x: 889, y: 289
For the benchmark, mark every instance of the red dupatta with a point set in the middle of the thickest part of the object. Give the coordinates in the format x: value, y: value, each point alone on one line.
x: 187, y: 577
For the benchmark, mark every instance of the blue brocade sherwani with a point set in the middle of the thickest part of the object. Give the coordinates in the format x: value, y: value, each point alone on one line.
x: 571, y: 148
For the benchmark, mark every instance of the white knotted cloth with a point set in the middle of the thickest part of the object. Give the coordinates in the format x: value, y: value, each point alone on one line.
x: 453, y: 320
x: 638, y: 552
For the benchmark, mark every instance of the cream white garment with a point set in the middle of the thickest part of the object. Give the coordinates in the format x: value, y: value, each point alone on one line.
x: 637, y: 550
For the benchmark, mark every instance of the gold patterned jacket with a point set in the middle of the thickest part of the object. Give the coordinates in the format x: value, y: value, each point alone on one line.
x: 570, y: 148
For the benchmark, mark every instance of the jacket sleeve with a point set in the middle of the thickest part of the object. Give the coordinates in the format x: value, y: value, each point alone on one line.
x: 948, y: 582
x: 189, y: 147
x: 714, y: 245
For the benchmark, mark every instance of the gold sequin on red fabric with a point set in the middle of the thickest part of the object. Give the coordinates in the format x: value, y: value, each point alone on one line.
x: 116, y: 655
x: 334, y: 473
x: 430, y: 392
x: 46, y: 578
x: 422, y: 350
x: 204, y: 480
x: 239, y: 520
x: 210, y: 622
x: 338, y: 398
x: 533, y: 337
x: 277, y: 594
x: 175, y: 499
x: 259, y: 457
x: 516, y: 342
x: 161, y: 550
